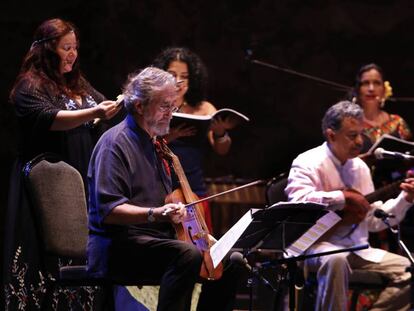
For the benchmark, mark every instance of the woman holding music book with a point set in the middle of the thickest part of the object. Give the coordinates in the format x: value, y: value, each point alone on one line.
x: 201, y: 124
x: 191, y: 76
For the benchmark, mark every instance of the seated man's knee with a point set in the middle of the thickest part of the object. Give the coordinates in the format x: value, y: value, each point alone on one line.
x: 191, y: 255
x: 336, y: 262
x: 404, y: 263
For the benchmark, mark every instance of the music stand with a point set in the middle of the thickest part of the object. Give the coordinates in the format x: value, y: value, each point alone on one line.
x: 277, y: 227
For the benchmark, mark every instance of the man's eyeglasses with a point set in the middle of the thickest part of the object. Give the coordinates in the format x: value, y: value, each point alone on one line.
x: 167, y: 108
x: 182, y: 81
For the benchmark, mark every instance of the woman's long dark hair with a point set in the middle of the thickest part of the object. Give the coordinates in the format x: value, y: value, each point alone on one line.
x: 197, y: 84
x: 40, y: 66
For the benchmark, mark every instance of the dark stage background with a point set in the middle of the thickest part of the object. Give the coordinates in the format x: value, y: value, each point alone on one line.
x: 328, y: 39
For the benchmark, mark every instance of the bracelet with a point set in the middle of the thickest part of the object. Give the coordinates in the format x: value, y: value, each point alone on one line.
x: 150, y: 215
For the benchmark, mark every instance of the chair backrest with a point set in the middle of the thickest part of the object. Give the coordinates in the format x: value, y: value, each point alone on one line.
x: 59, y: 203
x: 275, y: 189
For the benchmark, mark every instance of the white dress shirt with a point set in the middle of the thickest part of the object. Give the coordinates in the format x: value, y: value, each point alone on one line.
x: 318, y: 176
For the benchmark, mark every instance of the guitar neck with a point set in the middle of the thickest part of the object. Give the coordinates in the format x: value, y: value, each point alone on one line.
x: 384, y: 193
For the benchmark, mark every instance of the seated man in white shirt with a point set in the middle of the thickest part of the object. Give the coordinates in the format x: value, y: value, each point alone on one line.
x: 333, y: 174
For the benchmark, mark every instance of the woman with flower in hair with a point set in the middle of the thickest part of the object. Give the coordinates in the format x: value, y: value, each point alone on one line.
x: 55, y: 108
x: 371, y: 92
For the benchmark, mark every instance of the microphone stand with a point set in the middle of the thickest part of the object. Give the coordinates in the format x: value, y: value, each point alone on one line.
x: 254, y: 276
x: 333, y: 85
x: 397, y: 235
x: 291, y: 263
x: 254, y: 273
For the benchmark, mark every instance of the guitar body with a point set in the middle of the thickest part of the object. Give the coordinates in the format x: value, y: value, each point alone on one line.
x: 354, y: 211
x: 194, y: 231
x: 353, y: 214
x: 357, y: 205
x: 190, y: 234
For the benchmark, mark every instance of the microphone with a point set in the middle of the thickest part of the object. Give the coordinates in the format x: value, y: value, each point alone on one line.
x: 380, y: 153
x: 379, y: 213
x: 248, y: 54
x: 238, y: 259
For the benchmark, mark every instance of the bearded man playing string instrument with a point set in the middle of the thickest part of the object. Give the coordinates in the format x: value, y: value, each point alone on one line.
x: 334, y: 175
x: 131, y: 234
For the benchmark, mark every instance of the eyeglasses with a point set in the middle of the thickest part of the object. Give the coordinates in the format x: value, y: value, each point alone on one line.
x: 167, y: 108
x: 181, y: 81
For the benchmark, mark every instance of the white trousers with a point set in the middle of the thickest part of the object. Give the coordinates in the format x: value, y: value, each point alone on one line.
x: 333, y: 273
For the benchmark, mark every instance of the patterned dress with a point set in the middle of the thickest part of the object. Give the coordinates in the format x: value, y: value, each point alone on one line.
x: 24, y: 280
x: 395, y: 126
x: 386, y: 171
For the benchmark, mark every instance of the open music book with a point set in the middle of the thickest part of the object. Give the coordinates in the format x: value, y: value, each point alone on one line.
x: 202, y: 123
x: 392, y: 143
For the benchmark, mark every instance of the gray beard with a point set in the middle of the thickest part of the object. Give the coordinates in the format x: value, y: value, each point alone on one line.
x: 156, y: 129
x: 160, y: 131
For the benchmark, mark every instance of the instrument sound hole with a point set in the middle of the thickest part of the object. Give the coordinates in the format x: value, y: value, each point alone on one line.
x: 190, y: 234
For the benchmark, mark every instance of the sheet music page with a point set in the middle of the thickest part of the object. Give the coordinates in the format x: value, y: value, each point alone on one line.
x: 309, y: 205
x: 323, y: 224
x: 223, y: 245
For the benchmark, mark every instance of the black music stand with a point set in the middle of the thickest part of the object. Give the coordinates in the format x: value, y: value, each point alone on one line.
x: 279, y: 225
x: 276, y: 228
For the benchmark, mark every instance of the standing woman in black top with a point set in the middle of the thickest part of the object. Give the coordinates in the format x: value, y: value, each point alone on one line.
x: 55, y: 108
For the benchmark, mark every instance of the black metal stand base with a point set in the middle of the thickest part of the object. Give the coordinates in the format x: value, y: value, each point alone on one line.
x: 407, y: 253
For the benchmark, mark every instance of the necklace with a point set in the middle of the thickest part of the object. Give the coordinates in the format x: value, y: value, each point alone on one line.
x: 181, y: 106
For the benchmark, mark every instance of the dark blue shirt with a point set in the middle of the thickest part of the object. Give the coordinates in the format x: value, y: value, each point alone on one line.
x: 124, y: 168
